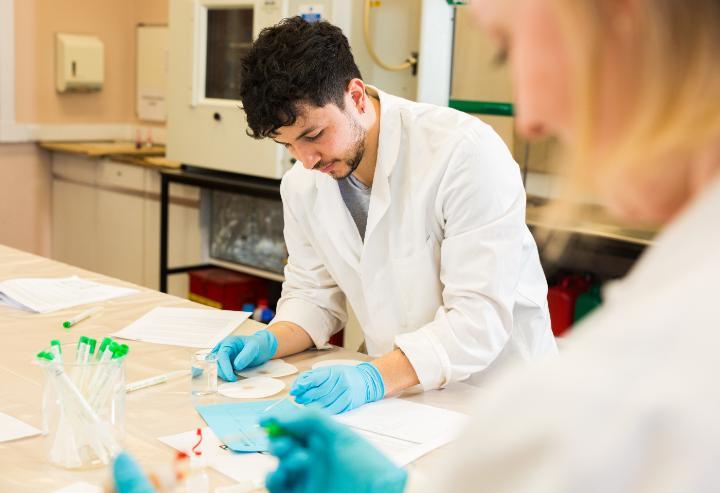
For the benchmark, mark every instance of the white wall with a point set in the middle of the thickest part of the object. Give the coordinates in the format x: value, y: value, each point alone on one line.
x: 395, y: 31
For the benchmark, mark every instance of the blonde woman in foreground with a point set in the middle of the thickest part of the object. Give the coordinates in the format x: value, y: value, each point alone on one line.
x: 632, y: 88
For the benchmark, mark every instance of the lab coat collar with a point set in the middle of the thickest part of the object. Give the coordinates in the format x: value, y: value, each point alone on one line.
x: 330, y: 208
x: 388, y: 147
x: 390, y: 132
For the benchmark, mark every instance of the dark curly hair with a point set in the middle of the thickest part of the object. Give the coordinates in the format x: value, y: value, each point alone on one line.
x: 290, y: 64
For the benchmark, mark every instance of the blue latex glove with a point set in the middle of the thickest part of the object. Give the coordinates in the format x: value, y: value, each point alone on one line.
x: 128, y: 477
x: 240, y: 352
x: 319, y: 454
x: 339, y: 388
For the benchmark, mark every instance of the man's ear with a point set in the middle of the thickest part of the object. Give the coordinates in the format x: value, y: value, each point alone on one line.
x: 356, y: 91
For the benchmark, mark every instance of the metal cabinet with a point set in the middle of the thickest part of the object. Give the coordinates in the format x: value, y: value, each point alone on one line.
x: 74, y: 211
x: 106, y: 219
x: 120, y: 215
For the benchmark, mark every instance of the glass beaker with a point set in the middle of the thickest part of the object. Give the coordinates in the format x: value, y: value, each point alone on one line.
x: 204, y: 373
x: 83, y: 405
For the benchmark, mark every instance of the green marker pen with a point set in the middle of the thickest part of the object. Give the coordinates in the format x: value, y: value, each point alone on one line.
x: 83, y: 350
x: 274, y: 430
x: 56, y: 349
x: 92, y: 343
x: 104, y: 344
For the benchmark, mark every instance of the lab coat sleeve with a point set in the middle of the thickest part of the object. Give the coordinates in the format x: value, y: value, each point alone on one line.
x: 310, y: 296
x: 481, y: 202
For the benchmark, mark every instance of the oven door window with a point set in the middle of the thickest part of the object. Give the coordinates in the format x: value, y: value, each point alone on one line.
x: 247, y: 230
x: 229, y: 37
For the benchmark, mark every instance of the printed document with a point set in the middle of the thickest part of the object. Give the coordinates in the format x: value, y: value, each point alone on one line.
x: 50, y: 295
x: 404, y: 430
x: 188, y: 327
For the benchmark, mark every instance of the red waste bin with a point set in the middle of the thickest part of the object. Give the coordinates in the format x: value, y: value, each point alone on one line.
x: 226, y: 289
x: 561, y: 301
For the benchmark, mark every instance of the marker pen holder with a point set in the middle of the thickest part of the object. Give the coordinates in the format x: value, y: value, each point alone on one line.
x: 83, y: 406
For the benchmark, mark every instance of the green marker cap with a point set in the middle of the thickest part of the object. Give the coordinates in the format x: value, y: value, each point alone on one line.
x: 92, y: 343
x: 45, y: 355
x: 55, y: 342
x: 116, y: 350
x: 120, y: 351
x: 82, y: 340
x: 105, y: 343
x: 274, y: 430
x: 67, y: 324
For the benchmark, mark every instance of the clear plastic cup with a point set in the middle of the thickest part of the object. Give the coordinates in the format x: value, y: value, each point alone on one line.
x: 83, y: 408
x: 204, y: 373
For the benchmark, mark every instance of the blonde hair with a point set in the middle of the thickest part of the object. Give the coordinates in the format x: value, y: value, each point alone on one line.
x: 674, y: 106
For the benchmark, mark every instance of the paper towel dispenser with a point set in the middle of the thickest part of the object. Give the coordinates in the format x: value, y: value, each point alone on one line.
x: 79, y: 63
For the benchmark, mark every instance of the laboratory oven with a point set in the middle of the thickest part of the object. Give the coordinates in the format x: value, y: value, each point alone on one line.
x: 206, y: 126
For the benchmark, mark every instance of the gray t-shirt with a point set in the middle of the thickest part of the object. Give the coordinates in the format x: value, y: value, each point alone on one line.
x: 357, y: 199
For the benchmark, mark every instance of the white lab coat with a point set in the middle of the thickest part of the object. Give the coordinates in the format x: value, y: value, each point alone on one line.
x: 448, y: 271
x: 632, y: 404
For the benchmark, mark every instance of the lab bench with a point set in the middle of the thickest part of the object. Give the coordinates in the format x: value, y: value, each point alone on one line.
x: 154, y: 412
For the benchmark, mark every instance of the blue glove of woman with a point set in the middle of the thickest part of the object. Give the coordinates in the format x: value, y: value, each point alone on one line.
x: 128, y: 477
x: 318, y: 454
x: 240, y: 352
x: 339, y: 388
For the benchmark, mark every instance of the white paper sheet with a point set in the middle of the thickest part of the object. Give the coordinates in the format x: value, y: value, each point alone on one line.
x: 151, y: 104
x: 4, y: 300
x: 188, y: 327
x: 80, y: 487
x: 248, y: 469
x: 399, y: 451
x: 49, y: 295
x: 408, y: 421
x: 12, y: 428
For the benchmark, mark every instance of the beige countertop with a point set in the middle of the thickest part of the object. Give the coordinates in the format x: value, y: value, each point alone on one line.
x: 126, y: 152
x: 593, y: 221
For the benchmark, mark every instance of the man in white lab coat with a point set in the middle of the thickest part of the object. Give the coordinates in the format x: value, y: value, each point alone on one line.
x: 413, y: 213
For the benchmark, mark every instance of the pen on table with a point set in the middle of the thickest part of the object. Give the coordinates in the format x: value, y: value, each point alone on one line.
x: 156, y: 380
x: 272, y: 427
x: 80, y: 317
x: 274, y: 404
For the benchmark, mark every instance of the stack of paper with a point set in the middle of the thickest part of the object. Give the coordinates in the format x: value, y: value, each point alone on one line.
x: 188, y: 327
x: 49, y: 295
